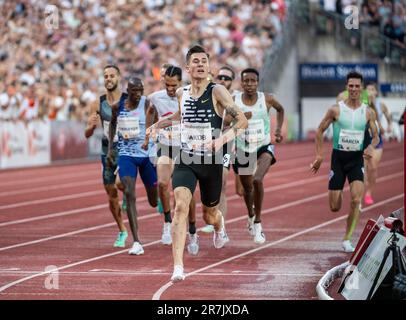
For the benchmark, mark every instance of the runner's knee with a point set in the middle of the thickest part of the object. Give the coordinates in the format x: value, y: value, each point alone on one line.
x: 258, y: 182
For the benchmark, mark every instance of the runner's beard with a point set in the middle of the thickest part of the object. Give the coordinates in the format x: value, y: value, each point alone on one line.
x: 113, y: 88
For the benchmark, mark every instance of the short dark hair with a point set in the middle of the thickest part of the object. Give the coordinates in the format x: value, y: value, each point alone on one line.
x: 112, y: 66
x: 195, y: 49
x: 355, y: 75
x: 229, y: 69
x: 174, y: 71
x: 249, y: 70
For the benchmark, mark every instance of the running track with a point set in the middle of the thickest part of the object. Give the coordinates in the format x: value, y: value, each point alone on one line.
x: 58, y: 216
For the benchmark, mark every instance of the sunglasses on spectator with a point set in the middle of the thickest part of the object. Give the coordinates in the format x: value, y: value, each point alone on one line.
x: 225, y: 78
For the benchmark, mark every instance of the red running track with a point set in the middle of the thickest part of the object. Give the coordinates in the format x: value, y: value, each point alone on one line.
x: 58, y: 216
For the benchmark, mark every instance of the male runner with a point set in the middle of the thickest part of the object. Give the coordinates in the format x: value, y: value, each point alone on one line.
x: 349, y: 118
x: 201, y: 106
x: 225, y: 77
x: 371, y: 165
x: 165, y: 103
x: 101, y: 110
x: 128, y: 119
x: 254, y: 150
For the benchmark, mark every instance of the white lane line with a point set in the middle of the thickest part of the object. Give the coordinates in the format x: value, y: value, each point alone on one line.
x: 48, y: 178
x: 93, y: 167
x: 161, y: 273
x: 160, y: 291
x: 11, y: 284
x: 48, y: 188
x: 274, y: 188
x: 152, y: 215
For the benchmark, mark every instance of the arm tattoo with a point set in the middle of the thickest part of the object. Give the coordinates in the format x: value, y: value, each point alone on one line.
x: 232, y: 111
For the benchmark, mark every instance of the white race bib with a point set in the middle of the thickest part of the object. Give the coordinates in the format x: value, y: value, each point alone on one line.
x: 350, y: 140
x: 196, y: 136
x: 170, y: 135
x: 106, y: 125
x: 255, y: 133
x: 129, y: 127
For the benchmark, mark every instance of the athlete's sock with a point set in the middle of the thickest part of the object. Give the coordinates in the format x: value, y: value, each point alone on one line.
x: 192, y: 227
x: 168, y: 217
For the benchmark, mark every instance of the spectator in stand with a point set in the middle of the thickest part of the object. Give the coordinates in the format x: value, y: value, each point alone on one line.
x: 90, y: 34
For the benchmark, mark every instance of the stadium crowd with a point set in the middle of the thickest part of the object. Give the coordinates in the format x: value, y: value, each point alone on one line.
x: 51, y: 66
x: 387, y: 15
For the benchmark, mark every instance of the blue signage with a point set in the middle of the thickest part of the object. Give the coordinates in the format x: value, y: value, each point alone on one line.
x: 398, y: 87
x: 337, y: 72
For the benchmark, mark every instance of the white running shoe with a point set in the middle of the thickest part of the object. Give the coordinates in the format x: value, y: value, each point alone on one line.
x: 220, y: 238
x: 259, y: 236
x: 193, y: 246
x: 250, y: 225
x: 347, y: 246
x: 178, y: 274
x: 166, y: 234
x: 136, y: 249
x: 208, y: 228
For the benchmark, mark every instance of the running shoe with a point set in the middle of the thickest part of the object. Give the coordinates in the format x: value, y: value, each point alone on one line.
x: 120, y: 241
x: 136, y: 249
x: 193, y: 246
x: 347, y: 246
x: 259, y: 236
x: 250, y: 225
x: 160, y: 207
x: 220, y: 238
x: 208, y: 228
x: 166, y: 234
x: 368, y: 199
x: 178, y: 274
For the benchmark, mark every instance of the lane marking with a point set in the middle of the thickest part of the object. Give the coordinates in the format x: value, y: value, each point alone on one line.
x: 160, y: 291
x: 152, y: 215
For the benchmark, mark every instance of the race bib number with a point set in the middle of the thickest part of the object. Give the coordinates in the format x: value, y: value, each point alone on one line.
x: 350, y: 140
x: 170, y: 135
x: 255, y: 133
x: 196, y: 136
x: 129, y: 127
x: 106, y: 125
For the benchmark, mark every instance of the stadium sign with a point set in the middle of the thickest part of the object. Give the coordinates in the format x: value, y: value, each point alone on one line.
x: 336, y: 72
x: 398, y: 87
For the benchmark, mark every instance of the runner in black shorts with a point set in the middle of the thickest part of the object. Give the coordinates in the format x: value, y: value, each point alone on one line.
x: 100, y: 111
x: 201, y: 106
x: 164, y: 103
x: 254, y: 151
x: 349, y: 118
x: 225, y: 77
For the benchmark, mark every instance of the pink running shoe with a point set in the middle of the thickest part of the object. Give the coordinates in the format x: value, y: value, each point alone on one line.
x: 368, y: 199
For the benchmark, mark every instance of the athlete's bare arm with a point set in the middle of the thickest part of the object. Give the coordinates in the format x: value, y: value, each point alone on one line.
x: 271, y: 102
x: 223, y: 101
x: 371, y: 118
x: 388, y: 116
x: 93, y: 120
x: 329, y: 118
x: 150, y: 112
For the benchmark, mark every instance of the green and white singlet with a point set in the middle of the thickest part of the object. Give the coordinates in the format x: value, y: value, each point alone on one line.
x: 348, y: 130
x: 259, y: 126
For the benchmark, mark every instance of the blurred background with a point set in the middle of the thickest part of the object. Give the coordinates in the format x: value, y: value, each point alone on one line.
x: 52, y: 55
